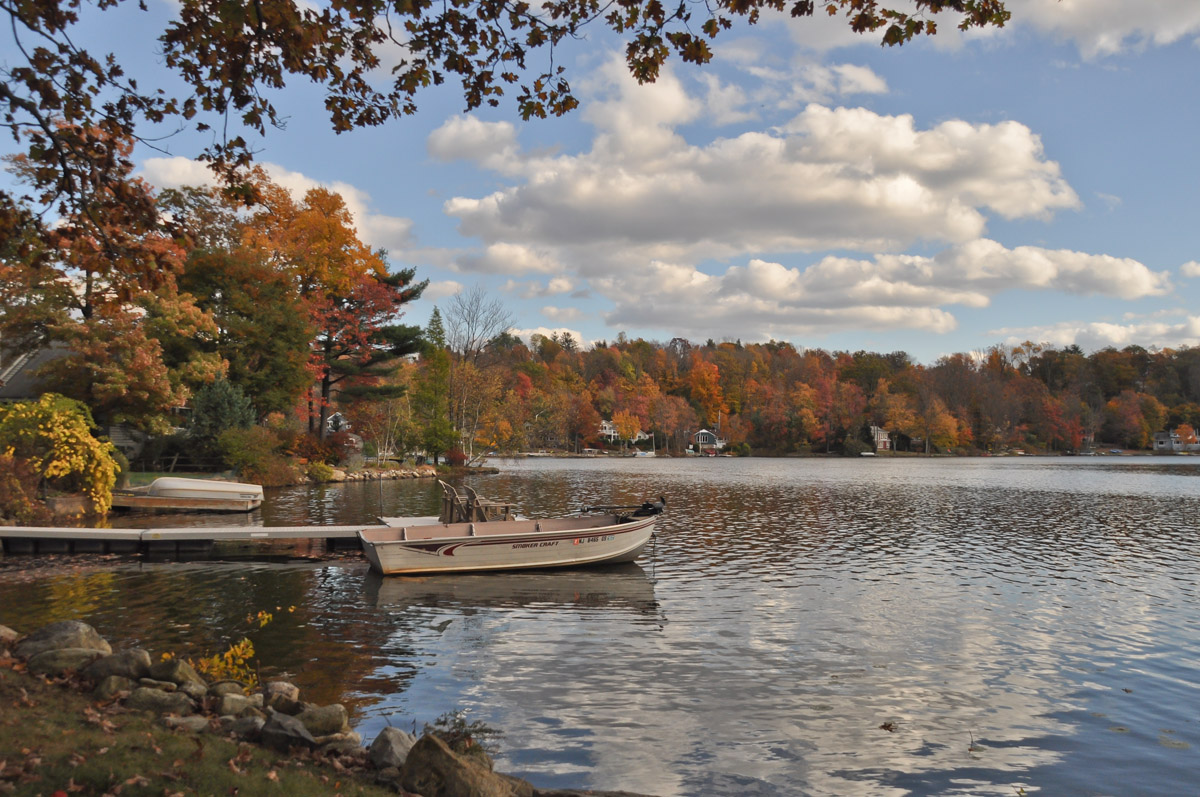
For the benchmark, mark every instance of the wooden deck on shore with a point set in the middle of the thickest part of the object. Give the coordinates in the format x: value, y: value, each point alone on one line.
x: 52, y: 539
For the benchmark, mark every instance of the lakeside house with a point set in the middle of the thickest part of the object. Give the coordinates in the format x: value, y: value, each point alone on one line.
x: 706, y: 442
x: 609, y: 432
x: 19, y: 381
x: 881, y: 438
x: 1173, y: 441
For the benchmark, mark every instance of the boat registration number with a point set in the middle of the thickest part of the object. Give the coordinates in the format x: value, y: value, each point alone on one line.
x: 604, y: 538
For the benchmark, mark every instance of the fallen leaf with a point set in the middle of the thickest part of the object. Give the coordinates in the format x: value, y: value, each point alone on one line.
x: 272, y: 775
x: 137, y: 780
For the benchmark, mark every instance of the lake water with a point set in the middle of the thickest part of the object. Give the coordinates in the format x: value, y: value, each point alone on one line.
x: 800, y: 627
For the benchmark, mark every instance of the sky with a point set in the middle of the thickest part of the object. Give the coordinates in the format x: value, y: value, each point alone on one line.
x: 1038, y: 182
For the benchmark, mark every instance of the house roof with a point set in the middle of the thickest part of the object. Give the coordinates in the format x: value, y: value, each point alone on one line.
x: 18, y: 368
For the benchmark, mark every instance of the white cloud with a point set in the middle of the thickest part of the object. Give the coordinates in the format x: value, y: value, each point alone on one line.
x: 493, y: 145
x: 393, y: 233
x: 1097, y: 28
x: 1091, y: 336
x: 441, y: 290
x: 509, y: 258
x: 535, y: 288
x: 1105, y: 27
x: 831, y: 178
x: 1190, y: 269
x: 765, y: 299
x: 562, y: 314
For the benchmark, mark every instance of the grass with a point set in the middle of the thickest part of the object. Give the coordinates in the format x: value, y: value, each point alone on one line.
x: 54, y: 740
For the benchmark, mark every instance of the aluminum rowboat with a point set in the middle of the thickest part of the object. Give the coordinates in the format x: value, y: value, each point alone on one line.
x: 509, y: 545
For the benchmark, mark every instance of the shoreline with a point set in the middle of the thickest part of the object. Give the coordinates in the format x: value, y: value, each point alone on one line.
x: 90, y: 718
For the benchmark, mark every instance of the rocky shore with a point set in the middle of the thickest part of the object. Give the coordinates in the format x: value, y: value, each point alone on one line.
x: 273, y: 716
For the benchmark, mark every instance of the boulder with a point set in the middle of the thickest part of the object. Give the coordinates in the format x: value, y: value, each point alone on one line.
x: 166, y: 686
x: 177, y: 671
x: 155, y: 700
x: 284, y: 704
x: 247, y: 728
x: 133, y: 663
x: 232, y: 704
x: 324, y: 720
x: 219, y: 688
x: 434, y: 770
x: 60, y: 660
x: 8, y: 637
x: 193, y: 724
x: 282, y: 732
x: 390, y: 748
x: 283, y: 688
x: 340, y: 743
x: 64, y: 634
x: 113, y: 685
x: 195, y: 690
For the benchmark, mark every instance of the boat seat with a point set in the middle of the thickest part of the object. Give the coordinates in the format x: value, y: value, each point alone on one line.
x: 485, y: 511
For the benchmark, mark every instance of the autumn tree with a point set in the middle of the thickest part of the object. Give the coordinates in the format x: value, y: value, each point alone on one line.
x: 102, y: 287
x: 627, y: 426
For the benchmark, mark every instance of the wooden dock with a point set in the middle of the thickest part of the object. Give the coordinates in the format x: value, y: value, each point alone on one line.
x: 44, y: 539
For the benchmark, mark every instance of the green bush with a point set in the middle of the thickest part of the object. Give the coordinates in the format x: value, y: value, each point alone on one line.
x: 256, y: 455
x: 320, y: 472
x: 218, y: 406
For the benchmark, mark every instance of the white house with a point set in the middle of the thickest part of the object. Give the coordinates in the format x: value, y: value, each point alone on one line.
x: 609, y: 432
x: 883, y: 441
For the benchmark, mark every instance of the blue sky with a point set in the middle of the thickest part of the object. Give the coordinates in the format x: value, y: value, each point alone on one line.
x: 1037, y: 182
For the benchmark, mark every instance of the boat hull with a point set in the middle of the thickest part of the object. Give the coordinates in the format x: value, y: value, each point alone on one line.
x: 512, y: 545
x: 174, y: 487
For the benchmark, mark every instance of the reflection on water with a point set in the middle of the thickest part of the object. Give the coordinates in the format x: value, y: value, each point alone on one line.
x: 843, y: 627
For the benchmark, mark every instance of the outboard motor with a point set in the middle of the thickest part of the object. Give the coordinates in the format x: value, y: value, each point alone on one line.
x: 652, y: 508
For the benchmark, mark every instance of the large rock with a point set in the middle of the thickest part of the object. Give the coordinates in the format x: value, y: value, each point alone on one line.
x: 349, y: 743
x: 160, y: 702
x: 434, y: 770
x: 248, y: 728
x: 282, y: 689
x: 390, y: 748
x: 62, y: 660
x: 226, y: 688
x: 282, y: 732
x: 193, y: 724
x: 112, y: 686
x: 64, y: 634
x: 196, y: 690
x: 284, y: 704
x: 324, y: 720
x: 177, y: 671
x: 133, y: 663
x: 8, y: 637
x: 231, y: 704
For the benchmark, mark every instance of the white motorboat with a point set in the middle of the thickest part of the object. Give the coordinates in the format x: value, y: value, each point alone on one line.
x: 604, y: 535
x: 175, y: 487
